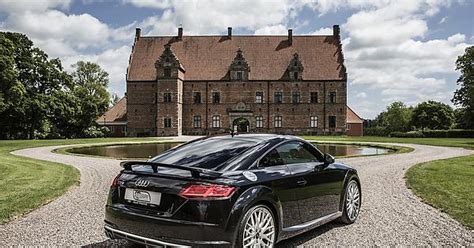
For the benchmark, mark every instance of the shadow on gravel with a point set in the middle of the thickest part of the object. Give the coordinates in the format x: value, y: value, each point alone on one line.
x: 293, y: 242
x: 309, y: 235
x: 112, y: 243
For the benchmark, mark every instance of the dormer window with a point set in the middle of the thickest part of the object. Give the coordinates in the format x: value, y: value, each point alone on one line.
x: 239, y: 75
x: 295, y: 68
x: 239, y: 69
x: 167, y: 65
x: 167, y: 72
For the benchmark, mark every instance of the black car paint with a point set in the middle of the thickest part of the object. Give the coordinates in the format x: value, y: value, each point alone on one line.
x: 214, y: 222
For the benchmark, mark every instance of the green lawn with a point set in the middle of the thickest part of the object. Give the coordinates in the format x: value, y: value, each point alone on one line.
x: 26, y: 183
x: 455, y: 142
x: 446, y: 184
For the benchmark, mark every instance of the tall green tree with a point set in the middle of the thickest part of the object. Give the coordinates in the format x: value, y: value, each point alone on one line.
x: 464, y: 95
x: 433, y: 115
x: 396, y: 117
x: 90, y: 86
x: 38, y: 99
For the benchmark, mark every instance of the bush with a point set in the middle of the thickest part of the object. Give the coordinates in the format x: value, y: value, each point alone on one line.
x: 96, y: 132
x: 376, y: 131
x: 412, y: 134
x: 451, y: 133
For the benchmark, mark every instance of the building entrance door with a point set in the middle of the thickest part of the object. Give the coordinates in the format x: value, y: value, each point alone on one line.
x: 241, y: 125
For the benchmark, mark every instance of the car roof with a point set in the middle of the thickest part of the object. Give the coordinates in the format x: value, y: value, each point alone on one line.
x: 257, y: 137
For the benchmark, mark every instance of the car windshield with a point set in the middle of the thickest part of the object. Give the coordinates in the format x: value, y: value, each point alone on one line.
x: 207, y: 153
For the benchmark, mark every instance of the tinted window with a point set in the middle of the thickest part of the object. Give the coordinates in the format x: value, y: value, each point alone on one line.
x: 271, y: 159
x: 296, y: 152
x: 208, y: 153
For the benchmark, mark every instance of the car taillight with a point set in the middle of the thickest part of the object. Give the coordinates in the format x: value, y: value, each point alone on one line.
x: 115, y: 182
x: 207, y: 191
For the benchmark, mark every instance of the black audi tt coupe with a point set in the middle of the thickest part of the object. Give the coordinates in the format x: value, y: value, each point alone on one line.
x: 242, y: 191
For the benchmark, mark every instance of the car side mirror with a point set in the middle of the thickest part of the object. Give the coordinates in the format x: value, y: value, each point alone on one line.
x: 328, y: 159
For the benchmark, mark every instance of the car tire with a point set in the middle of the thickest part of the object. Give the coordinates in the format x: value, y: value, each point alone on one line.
x: 351, y: 202
x: 266, y: 234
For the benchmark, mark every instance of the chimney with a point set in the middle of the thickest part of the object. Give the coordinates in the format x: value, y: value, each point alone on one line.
x: 336, y: 32
x: 229, y: 32
x: 138, y: 32
x: 290, y: 36
x: 180, y: 33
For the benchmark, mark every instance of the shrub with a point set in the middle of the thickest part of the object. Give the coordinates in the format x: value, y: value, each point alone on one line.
x: 376, y: 131
x: 96, y: 132
x: 411, y: 134
x: 451, y: 133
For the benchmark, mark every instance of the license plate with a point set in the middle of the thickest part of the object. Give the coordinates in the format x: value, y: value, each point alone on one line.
x: 142, y: 197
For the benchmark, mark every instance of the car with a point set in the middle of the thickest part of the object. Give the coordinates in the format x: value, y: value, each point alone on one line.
x: 250, y: 190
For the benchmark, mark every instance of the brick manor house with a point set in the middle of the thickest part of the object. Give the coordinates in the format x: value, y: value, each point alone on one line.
x: 212, y: 84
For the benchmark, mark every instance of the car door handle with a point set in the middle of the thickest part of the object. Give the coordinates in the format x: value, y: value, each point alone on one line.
x: 301, y: 182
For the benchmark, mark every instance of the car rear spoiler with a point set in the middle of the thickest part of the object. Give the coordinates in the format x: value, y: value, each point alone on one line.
x: 195, y: 172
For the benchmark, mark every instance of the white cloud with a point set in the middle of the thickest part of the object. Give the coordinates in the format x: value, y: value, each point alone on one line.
x: 361, y: 95
x: 10, y: 6
x: 79, y: 31
x: 114, y: 61
x: 157, y: 4
x: 275, y: 29
x: 443, y: 20
x: 210, y: 17
x: 323, y: 31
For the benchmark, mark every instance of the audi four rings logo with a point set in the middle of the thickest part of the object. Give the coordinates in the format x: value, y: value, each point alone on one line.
x: 142, y: 183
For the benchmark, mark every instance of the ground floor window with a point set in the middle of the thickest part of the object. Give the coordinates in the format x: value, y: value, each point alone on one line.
x: 197, y: 121
x: 332, y: 121
x: 313, y: 121
x: 167, y: 122
x: 277, y: 121
x: 216, y: 121
x: 259, y: 120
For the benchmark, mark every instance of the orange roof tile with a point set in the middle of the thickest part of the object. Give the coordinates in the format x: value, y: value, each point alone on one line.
x: 352, y: 117
x: 117, y: 113
x: 209, y: 57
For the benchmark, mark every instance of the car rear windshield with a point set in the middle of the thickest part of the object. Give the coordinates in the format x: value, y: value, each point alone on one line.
x: 207, y: 153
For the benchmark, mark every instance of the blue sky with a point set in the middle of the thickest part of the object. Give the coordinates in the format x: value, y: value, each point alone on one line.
x: 394, y: 50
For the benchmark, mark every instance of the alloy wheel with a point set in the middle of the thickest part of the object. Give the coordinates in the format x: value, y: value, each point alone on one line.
x: 259, y: 229
x: 352, y: 200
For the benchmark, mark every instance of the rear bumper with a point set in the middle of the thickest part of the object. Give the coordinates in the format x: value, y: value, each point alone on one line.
x: 153, y: 230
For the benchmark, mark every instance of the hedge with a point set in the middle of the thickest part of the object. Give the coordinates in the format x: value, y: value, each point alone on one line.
x: 451, y: 133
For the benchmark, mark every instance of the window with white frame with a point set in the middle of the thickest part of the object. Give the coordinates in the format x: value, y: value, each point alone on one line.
x: 277, y: 121
x: 167, y: 122
x: 216, y: 121
x: 258, y: 97
x: 296, y: 97
x: 313, y: 121
x: 166, y: 97
x: 259, y: 121
x: 197, y: 121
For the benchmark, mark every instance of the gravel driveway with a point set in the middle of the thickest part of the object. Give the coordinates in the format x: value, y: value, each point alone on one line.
x: 391, y: 214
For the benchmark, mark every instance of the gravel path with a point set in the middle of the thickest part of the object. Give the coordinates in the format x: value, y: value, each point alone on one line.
x: 390, y: 215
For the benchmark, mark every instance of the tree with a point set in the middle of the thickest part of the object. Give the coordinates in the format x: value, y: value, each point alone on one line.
x: 433, y: 115
x: 90, y: 87
x: 115, y: 99
x: 29, y: 78
x: 464, y: 95
x: 38, y: 99
x: 396, y: 118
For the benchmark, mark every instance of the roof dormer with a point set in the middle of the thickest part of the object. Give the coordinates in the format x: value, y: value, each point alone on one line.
x: 239, y: 69
x: 167, y: 65
x: 295, y: 68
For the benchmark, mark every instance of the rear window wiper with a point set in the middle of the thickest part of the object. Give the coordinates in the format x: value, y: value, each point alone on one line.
x: 195, y: 172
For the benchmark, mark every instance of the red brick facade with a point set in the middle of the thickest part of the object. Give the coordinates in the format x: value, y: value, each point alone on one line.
x: 211, y: 84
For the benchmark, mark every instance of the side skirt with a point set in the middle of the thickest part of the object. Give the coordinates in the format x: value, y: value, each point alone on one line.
x: 291, y: 231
